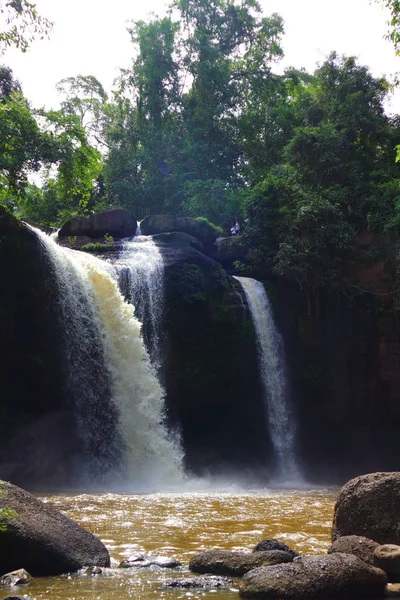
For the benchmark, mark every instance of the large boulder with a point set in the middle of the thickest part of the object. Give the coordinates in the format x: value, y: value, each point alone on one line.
x: 369, y: 506
x: 330, y: 576
x: 236, y: 564
x: 229, y: 249
x: 358, y: 545
x: 77, y: 226
x: 42, y: 540
x: 153, y: 224
x: 198, y: 227
x: 204, y: 583
x: 178, y: 238
x: 117, y: 222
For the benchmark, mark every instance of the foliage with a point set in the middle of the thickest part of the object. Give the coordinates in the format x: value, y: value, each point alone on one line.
x: 24, y: 24
x: 98, y: 247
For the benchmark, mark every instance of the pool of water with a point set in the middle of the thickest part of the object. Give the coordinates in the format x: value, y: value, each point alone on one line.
x: 180, y: 525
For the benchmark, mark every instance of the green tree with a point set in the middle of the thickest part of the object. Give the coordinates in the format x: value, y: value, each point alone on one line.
x: 23, y: 24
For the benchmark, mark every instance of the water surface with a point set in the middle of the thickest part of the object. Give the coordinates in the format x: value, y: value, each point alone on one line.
x: 180, y: 525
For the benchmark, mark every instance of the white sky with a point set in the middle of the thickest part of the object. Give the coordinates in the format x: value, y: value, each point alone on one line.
x: 89, y: 38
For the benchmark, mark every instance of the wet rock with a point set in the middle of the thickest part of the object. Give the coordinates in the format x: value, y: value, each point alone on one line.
x: 272, y: 544
x: 224, y: 562
x: 392, y: 590
x: 369, y: 506
x: 41, y: 538
x: 144, y: 560
x: 18, y: 577
x: 204, y: 583
x: 355, y: 544
x: 153, y: 224
x: 331, y: 576
x: 387, y: 557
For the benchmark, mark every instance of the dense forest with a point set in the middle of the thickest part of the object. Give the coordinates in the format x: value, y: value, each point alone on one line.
x: 202, y: 125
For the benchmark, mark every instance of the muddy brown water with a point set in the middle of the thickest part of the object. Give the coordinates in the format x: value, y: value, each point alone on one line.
x: 180, y: 525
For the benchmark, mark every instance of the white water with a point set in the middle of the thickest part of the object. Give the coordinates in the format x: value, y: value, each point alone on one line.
x: 273, y: 372
x: 89, y: 296
x: 142, y: 282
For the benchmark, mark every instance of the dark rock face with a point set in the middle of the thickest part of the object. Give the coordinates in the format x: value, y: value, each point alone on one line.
x: 236, y: 564
x: 268, y: 545
x: 344, y: 365
x: 369, y: 506
x: 211, y: 371
x: 331, y: 576
x: 42, y: 539
x: 118, y: 223
x: 204, y: 583
x: 387, y: 557
x: 178, y: 238
x: 358, y: 545
x: 32, y: 368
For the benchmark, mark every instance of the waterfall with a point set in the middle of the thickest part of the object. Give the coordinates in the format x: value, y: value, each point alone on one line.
x: 93, y: 311
x: 273, y: 372
x: 141, y: 277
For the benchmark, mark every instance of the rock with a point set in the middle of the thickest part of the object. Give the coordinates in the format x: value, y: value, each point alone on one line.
x: 18, y: 577
x: 178, y: 238
x: 41, y: 538
x: 118, y: 223
x: 16, y: 598
x: 93, y: 571
x: 224, y: 562
x: 76, y: 226
x: 153, y: 224
x: 144, y: 560
x: 205, y: 583
x: 369, y: 506
x: 43, y: 228
x: 357, y: 545
x: 267, y: 545
x: 209, y: 330
x: 387, y: 557
x: 229, y: 249
x: 331, y: 576
x: 392, y: 590
x: 200, y: 228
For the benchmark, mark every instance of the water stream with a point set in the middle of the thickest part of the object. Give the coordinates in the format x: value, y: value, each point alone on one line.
x: 281, y: 423
x: 180, y: 525
x: 92, y: 310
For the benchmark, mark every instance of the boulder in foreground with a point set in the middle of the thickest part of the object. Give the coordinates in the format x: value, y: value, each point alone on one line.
x: 355, y: 544
x: 331, y: 576
x: 224, y: 562
x: 369, y: 506
x: 42, y: 540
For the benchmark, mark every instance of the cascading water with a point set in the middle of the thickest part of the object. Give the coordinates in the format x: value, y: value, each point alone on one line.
x: 141, y: 276
x: 93, y: 309
x: 273, y: 371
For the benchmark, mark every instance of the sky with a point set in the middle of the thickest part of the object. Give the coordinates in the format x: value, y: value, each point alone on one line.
x: 90, y: 38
